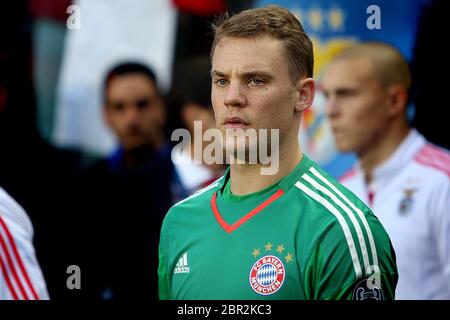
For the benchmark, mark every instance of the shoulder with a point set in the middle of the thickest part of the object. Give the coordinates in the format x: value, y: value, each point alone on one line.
x: 329, y: 194
x: 13, y: 216
x: 199, y: 200
x: 431, y: 167
x: 434, y: 160
x: 345, y: 220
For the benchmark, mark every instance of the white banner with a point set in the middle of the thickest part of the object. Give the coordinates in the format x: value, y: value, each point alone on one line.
x: 100, y: 34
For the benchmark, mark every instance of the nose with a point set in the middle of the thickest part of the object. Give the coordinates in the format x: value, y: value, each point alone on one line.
x: 132, y: 114
x: 235, y: 96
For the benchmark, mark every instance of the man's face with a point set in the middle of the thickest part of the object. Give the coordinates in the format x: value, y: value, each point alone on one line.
x: 356, y: 104
x: 134, y: 110
x: 251, y: 87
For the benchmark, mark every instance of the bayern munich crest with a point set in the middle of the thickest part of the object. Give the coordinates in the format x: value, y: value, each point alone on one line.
x: 267, y: 275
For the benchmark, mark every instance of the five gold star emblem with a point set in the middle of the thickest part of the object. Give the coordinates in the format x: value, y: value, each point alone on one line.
x: 288, y: 257
x: 280, y: 248
x: 255, y: 252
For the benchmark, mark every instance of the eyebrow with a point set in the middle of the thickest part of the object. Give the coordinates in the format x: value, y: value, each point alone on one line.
x: 217, y: 73
x: 249, y: 74
x: 341, y: 91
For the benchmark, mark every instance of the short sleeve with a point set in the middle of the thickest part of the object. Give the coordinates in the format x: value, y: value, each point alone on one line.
x: 331, y: 271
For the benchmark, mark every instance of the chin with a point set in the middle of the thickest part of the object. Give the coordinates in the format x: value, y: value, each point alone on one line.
x: 242, y: 154
x: 131, y: 145
x: 343, y: 147
x: 346, y: 150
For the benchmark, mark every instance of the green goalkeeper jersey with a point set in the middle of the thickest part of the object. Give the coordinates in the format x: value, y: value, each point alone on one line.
x: 305, y: 237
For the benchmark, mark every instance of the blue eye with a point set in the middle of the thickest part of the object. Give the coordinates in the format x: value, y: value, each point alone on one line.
x: 257, y: 81
x: 221, y: 82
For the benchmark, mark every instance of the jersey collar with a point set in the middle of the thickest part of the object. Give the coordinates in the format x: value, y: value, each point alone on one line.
x: 403, y: 155
x: 284, y: 185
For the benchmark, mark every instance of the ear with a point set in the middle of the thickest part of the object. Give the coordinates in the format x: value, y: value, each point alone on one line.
x: 398, y: 99
x: 305, y: 92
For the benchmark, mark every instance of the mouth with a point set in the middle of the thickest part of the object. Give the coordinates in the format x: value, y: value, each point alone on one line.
x: 235, y: 123
x: 339, y: 134
x: 336, y: 130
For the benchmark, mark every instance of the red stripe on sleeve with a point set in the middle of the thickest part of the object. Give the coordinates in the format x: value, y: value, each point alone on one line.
x: 7, y: 280
x: 20, y: 262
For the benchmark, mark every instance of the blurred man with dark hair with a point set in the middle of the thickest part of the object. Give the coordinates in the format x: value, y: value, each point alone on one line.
x: 127, y: 194
x: 134, y: 111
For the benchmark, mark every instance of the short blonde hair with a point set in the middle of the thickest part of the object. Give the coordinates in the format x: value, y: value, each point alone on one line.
x: 276, y: 22
x: 390, y: 67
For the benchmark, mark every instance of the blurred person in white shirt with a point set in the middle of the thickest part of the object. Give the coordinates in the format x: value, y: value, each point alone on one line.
x: 20, y: 274
x: 403, y: 177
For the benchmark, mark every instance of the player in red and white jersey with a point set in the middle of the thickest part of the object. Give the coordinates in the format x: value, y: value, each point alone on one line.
x: 404, y: 178
x: 20, y: 274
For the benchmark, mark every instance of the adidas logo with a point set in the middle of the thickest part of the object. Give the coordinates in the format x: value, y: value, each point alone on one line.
x: 182, y: 265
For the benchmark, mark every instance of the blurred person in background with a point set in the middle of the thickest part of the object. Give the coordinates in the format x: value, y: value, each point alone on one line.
x: 34, y: 173
x: 126, y: 195
x: 20, y: 275
x: 134, y: 111
x: 190, y: 103
x: 403, y: 177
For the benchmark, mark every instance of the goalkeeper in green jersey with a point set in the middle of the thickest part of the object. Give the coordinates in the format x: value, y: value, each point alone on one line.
x: 292, y: 233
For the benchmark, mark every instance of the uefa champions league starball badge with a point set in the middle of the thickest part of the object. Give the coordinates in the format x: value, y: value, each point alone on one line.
x: 368, y: 289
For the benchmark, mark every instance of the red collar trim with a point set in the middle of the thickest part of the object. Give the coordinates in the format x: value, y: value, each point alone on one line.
x: 245, y: 218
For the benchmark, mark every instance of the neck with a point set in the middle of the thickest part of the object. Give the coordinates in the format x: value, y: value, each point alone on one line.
x: 247, y: 178
x: 138, y: 156
x: 382, y: 150
x: 158, y: 142
x: 217, y: 169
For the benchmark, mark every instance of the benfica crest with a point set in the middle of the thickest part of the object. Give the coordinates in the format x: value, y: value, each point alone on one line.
x: 407, y: 202
x: 267, y: 275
